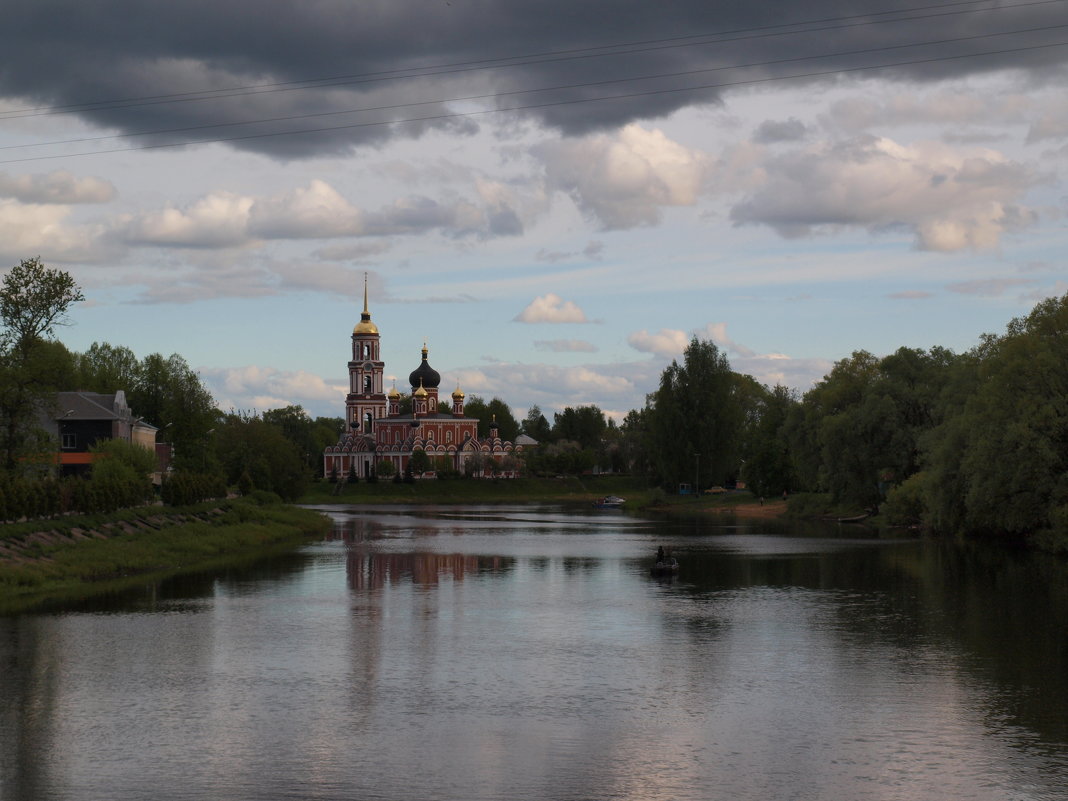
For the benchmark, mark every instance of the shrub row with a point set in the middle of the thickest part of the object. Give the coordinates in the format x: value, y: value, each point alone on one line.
x: 31, y: 498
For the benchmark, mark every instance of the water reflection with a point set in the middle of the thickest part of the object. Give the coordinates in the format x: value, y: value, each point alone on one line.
x: 523, y: 653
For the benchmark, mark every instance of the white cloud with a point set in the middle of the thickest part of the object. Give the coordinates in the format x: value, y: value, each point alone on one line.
x: 56, y: 187
x: 667, y: 343
x: 717, y: 332
x: 314, y: 211
x: 551, y: 308
x: 42, y: 230
x: 261, y: 388
x: 219, y: 219
x: 625, y: 179
x: 950, y: 199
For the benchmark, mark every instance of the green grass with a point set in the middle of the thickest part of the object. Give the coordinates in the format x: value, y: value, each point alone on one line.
x: 567, y: 490
x: 73, y: 570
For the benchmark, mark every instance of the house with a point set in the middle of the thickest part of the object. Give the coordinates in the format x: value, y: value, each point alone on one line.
x: 78, y: 420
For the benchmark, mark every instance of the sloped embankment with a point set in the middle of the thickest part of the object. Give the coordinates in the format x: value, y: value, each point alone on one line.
x: 80, y: 556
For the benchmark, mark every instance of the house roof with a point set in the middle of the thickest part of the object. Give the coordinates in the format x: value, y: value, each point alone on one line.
x: 91, y: 406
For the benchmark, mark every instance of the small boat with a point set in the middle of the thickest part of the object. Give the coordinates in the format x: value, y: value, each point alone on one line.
x: 668, y: 566
x: 609, y: 502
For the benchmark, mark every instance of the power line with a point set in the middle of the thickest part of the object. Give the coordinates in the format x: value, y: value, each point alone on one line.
x: 550, y: 104
x: 564, y: 87
x: 601, y: 51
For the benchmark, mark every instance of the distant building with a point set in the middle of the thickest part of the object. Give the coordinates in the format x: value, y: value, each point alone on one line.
x: 377, y: 431
x: 78, y: 420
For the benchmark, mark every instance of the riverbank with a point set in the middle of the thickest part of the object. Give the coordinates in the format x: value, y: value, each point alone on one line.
x: 566, y: 490
x: 76, y: 557
x: 578, y: 490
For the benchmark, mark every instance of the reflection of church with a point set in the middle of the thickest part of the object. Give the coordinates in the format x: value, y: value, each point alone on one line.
x: 377, y: 431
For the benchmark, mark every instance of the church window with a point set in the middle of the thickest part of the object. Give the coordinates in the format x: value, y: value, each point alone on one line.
x: 367, y: 384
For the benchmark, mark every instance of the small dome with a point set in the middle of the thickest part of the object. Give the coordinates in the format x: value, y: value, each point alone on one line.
x: 458, y: 394
x: 393, y: 393
x: 424, y: 375
x: 421, y: 392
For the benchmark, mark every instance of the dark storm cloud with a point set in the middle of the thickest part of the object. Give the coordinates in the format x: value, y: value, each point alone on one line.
x: 110, y: 54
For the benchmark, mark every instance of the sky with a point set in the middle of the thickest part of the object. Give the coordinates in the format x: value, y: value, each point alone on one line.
x: 554, y: 196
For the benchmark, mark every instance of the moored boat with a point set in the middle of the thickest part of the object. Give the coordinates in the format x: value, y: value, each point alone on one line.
x: 609, y: 502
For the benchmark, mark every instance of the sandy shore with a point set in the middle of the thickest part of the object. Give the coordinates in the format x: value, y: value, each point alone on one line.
x: 755, y: 509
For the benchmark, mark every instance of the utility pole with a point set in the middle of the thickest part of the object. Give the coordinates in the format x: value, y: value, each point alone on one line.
x: 697, y: 475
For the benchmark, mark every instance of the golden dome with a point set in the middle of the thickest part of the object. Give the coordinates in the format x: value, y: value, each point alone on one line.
x: 393, y: 393
x: 421, y: 392
x: 458, y: 394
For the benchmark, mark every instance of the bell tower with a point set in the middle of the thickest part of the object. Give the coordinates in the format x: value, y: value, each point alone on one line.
x: 366, y: 401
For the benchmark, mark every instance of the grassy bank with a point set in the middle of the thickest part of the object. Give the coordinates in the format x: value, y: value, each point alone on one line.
x: 76, y: 557
x: 567, y: 490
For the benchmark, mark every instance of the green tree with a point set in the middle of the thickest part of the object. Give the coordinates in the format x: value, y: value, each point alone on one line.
x: 585, y: 425
x: 768, y: 468
x: 696, y: 418
x: 536, y: 426
x: 1001, y: 464
x: 106, y: 368
x: 244, y: 443
x: 496, y: 409
x: 34, y: 300
x: 419, y: 462
x: 168, y: 394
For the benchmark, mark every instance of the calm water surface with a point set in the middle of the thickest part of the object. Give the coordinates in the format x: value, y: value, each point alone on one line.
x: 526, y: 653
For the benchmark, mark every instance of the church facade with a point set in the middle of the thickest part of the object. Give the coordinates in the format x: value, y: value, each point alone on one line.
x: 376, y: 431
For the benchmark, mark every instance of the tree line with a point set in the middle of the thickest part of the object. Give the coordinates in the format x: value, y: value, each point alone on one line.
x: 973, y: 442
x: 277, y: 451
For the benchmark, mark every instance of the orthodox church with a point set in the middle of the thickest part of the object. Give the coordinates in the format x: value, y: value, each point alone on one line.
x: 376, y: 430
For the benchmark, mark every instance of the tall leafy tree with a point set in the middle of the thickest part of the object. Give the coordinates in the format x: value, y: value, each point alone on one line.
x: 768, y: 468
x: 106, y: 368
x: 536, y: 426
x: 696, y: 418
x: 34, y: 299
x: 507, y: 425
x: 1006, y: 453
x: 585, y: 425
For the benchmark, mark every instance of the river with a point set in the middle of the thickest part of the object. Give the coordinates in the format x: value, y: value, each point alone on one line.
x: 527, y: 653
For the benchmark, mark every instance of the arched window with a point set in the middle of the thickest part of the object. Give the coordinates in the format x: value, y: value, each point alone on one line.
x: 367, y: 384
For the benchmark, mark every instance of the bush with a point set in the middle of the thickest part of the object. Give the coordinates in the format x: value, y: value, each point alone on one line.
x: 264, y: 498
x: 906, y: 504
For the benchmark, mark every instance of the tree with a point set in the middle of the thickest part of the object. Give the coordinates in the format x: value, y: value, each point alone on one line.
x: 582, y: 424
x: 419, y: 462
x: 496, y: 409
x: 1000, y: 465
x: 696, y: 418
x: 768, y: 469
x: 169, y: 394
x: 536, y: 426
x: 106, y: 368
x: 33, y: 300
x: 244, y: 443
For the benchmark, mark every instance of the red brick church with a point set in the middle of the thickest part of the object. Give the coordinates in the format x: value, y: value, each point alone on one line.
x: 376, y: 430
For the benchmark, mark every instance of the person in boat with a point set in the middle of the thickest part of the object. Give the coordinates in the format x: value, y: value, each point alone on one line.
x: 660, y: 554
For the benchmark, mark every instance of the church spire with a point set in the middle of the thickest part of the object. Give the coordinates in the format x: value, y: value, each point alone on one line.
x: 365, y: 326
